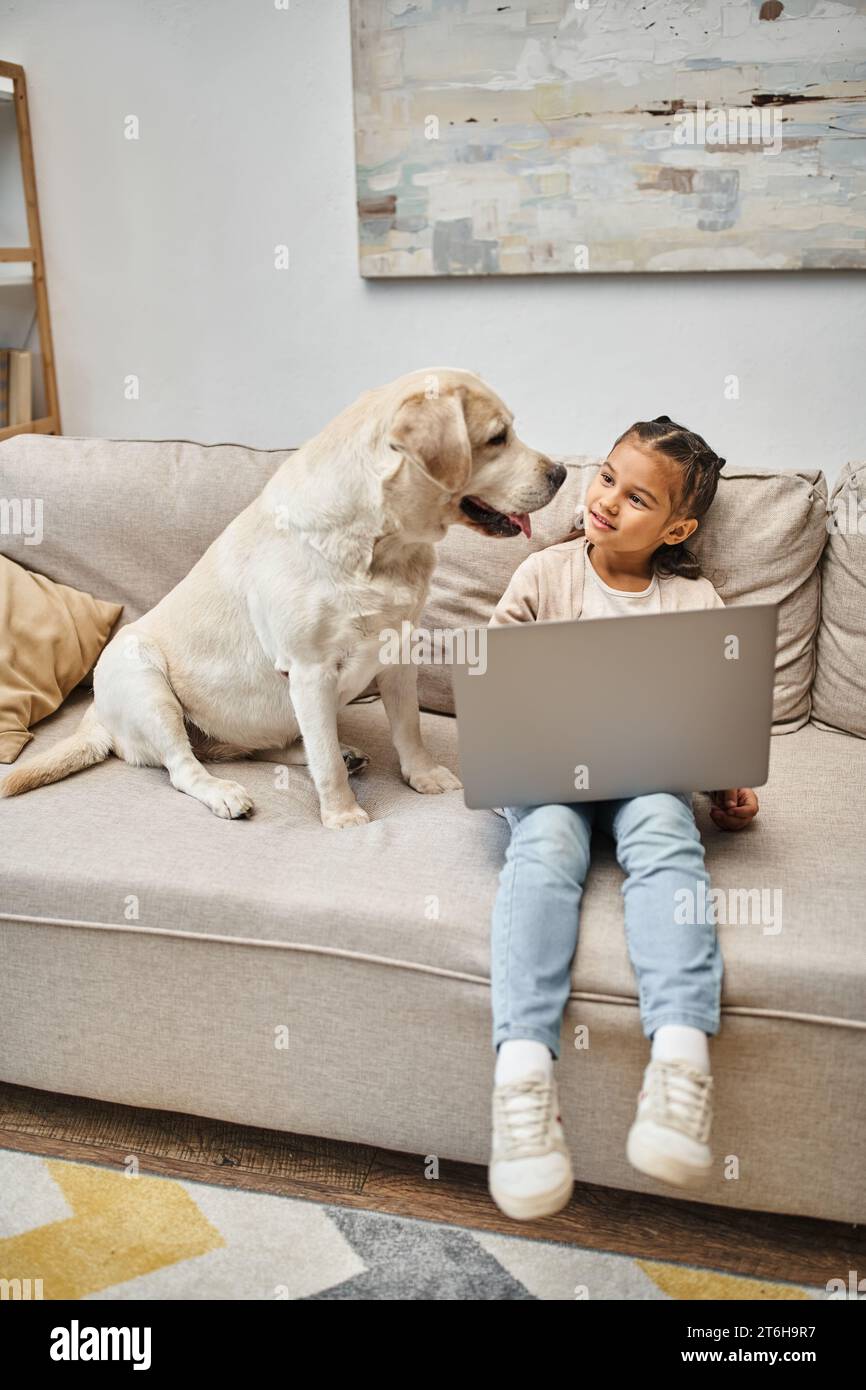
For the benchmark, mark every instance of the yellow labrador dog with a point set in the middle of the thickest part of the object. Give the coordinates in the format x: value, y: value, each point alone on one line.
x: 278, y: 624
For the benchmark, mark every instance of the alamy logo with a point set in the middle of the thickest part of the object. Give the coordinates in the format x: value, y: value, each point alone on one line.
x: 733, y: 125
x: 438, y: 646
x: 77, y: 1343
x: 847, y: 516
x: 22, y: 516
x: 741, y: 906
x: 20, y: 1289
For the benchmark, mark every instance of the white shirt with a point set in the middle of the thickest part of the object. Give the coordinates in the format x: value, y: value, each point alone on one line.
x: 601, y: 601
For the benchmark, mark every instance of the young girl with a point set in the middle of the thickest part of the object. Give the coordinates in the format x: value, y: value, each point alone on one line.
x: 629, y: 556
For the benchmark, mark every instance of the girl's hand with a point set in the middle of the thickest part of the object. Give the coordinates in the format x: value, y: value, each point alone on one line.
x: 732, y: 809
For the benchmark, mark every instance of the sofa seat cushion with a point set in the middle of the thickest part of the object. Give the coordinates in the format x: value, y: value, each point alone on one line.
x: 414, y: 889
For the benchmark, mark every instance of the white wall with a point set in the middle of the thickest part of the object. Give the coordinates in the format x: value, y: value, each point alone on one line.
x: 160, y: 262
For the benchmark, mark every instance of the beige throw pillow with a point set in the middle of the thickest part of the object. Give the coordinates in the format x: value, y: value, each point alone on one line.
x: 50, y: 638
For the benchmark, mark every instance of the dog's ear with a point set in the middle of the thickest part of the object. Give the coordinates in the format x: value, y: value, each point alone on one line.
x: 431, y: 430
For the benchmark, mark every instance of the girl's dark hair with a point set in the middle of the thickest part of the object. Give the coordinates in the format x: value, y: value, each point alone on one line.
x: 700, y: 476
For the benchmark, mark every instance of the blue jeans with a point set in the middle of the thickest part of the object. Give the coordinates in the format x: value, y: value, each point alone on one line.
x: 537, y: 910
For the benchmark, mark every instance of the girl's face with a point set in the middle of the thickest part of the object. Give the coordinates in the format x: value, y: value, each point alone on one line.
x: 632, y: 502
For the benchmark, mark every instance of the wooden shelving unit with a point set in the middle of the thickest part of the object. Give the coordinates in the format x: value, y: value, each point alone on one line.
x: 50, y: 423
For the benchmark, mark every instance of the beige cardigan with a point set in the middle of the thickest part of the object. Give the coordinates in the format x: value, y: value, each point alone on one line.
x: 548, y: 585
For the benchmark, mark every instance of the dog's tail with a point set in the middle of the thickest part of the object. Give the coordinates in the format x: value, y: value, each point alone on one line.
x: 90, y: 744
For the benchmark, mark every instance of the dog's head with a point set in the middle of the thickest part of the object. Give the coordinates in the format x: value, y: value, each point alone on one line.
x: 458, y: 435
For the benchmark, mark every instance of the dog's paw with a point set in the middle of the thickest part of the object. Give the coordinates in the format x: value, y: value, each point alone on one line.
x: 434, y: 779
x: 228, y: 799
x: 354, y: 758
x: 339, y: 820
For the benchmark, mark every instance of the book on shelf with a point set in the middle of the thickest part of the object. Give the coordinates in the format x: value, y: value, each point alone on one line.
x: 16, y: 387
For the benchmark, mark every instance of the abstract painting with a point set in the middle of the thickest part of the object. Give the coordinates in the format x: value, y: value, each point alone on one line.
x: 587, y: 136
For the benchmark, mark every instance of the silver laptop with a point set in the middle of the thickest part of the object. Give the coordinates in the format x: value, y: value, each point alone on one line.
x: 616, y: 707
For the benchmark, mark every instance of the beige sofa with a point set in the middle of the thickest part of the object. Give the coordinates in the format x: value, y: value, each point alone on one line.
x: 277, y: 974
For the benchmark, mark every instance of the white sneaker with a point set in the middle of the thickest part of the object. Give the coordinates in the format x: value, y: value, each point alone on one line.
x: 530, y: 1171
x: 669, y: 1139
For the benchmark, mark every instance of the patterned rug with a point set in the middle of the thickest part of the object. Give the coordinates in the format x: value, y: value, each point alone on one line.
x: 89, y: 1232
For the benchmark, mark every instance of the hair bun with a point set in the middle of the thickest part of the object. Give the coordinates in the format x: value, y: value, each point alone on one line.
x: 720, y: 463
x: 663, y: 420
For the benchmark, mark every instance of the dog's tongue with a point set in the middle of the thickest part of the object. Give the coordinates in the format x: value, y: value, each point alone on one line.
x: 521, y: 519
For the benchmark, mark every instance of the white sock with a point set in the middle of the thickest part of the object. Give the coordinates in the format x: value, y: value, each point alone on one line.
x: 674, y: 1040
x: 518, y: 1056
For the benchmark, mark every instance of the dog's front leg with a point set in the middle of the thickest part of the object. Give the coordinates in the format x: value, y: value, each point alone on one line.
x: 314, y: 692
x: 398, y: 686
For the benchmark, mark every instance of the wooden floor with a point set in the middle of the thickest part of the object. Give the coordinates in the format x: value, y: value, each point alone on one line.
x: 794, y: 1249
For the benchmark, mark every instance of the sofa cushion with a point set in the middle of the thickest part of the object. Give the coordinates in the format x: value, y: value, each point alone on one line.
x: 117, y: 844
x: 128, y: 517
x: 760, y: 543
x: 839, y: 688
